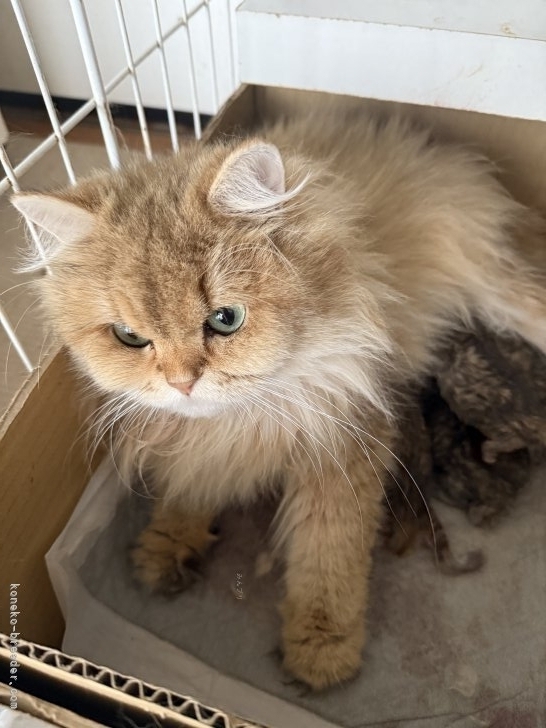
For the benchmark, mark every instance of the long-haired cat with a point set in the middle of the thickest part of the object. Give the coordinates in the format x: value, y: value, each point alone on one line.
x: 254, y: 308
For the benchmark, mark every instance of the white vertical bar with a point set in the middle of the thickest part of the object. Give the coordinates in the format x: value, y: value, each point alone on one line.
x: 193, y: 84
x: 232, y: 44
x: 12, y: 336
x: 136, y: 89
x: 165, y: 74
x: 4, y: 133
x: 97, y: 87
x: 10, y: 174
x: 31, y: 49
x: 213, y: 59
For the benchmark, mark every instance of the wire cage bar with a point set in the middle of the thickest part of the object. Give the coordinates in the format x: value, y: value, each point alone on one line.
x: 97, y: 87
x: 44, y: 90
x: 134, y: 80
x: 193, y: 85
x: 162, y: 45
x: 14, y: 340
x: 214, y: 73
x: 11, y: 176
x: 165, y: 76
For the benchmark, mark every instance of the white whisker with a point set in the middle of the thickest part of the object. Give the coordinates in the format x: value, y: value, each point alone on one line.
x: 265, y: 406
x: 292, y: 418
x: 354, y: 436
x: 351, y: 425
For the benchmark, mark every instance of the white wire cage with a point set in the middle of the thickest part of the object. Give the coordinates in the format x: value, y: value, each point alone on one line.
x: 176, y: 55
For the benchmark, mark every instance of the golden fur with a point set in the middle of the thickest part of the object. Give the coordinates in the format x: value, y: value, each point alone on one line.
x: 354, y: 251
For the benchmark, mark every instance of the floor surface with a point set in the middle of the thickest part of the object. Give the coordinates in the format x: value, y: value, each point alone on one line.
x: 465, y: 651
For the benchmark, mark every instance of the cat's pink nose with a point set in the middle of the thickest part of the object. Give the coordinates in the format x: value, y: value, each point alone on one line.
x: 184, y: 387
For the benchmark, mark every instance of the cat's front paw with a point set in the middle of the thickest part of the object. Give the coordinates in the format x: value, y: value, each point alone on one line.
x: 317, y: 653
x: 169, y: 552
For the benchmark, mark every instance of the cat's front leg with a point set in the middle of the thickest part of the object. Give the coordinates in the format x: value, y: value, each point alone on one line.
x: 329, y: 519
x: 168, y: 553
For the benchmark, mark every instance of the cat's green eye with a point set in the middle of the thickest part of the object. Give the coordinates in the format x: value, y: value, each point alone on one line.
x: 226, y: 320
x: 128, y: 337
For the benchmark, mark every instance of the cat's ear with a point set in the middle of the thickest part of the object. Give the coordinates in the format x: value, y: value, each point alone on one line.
x: 252, y: 182
x: 58, y: 222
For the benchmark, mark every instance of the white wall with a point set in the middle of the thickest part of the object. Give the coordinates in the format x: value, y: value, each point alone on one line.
x: 479, y: 55
x: 55, y: 38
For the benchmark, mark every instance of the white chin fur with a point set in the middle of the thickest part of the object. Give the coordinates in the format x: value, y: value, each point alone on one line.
x: 192, y: 406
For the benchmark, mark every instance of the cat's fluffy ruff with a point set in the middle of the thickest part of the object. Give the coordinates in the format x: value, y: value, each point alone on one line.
x: 353, y: 249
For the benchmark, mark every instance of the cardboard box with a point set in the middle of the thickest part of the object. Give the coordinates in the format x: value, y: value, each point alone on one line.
x: 43, y: 466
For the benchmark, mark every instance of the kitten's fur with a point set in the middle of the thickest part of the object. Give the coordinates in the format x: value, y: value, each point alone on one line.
x: 351, y: 270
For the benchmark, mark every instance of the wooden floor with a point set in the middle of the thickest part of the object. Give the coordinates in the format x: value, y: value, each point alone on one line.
x: 25, y: 120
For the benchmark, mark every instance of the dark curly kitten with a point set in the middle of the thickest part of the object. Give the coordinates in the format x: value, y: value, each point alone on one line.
x: 469, y: 439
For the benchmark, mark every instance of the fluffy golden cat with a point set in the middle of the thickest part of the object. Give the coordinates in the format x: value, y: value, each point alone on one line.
x: 253, y: 310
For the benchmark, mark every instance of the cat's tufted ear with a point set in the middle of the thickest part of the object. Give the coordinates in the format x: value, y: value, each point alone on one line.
x: 62, y: 222
x: 251, y: 182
